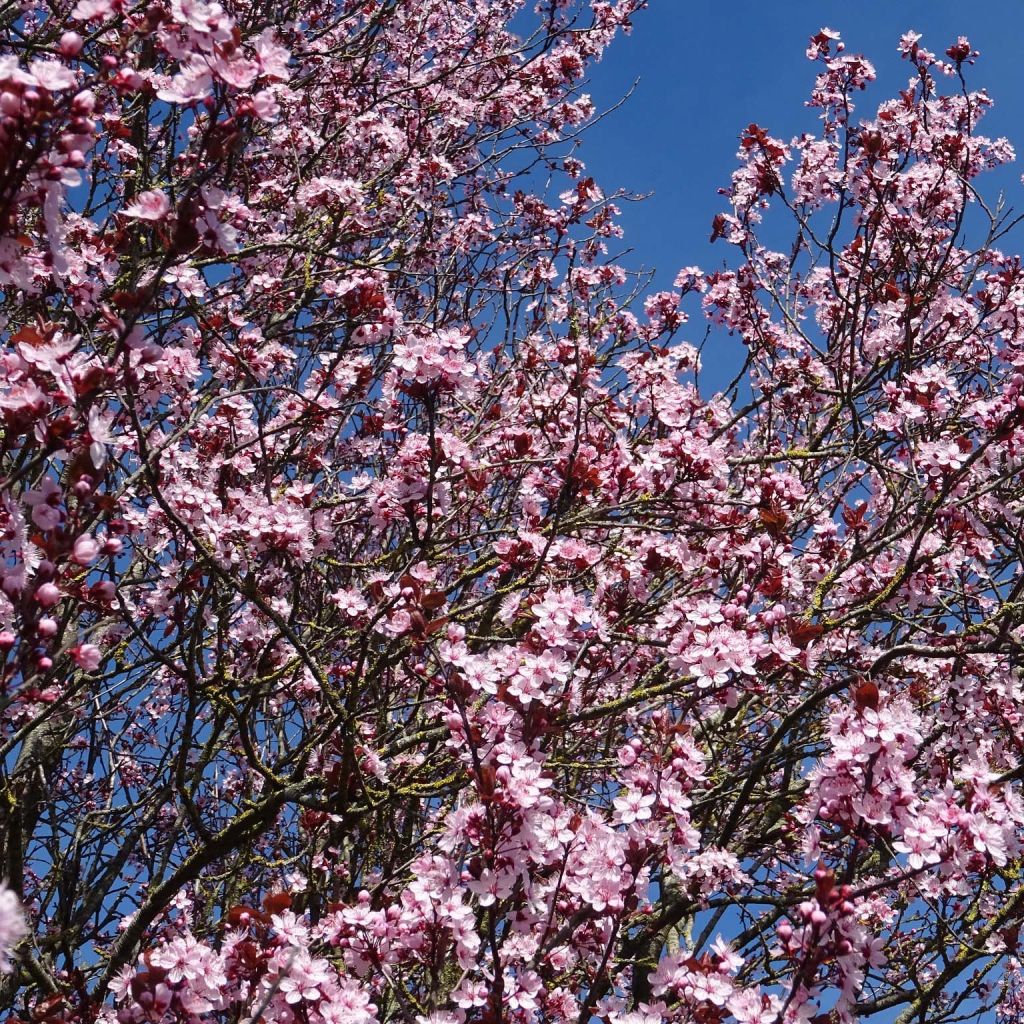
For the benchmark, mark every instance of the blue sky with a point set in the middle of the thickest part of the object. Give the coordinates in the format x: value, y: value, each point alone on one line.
x: 707, y: 69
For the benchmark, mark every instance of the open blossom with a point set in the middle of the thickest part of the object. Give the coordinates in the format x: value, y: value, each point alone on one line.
x: 197, y: 14
x: 492, y: 886
x: 305, y: 978
x: 12, y: 926
x: 192, y: 83
x: 148, y: 206
x: 87, y: 10
x: 50, y: 74
x: 45, y: 503
x: 634, y: 806
x: 87, y: 657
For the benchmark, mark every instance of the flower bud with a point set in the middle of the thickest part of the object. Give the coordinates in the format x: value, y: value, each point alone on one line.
x: 84, y: 103
x: 71, y: 44
x: 85, y: 551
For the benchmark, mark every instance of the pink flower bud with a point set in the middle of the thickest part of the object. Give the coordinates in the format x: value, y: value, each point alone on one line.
x: 46, y: 627
x: 86, y: 550
x: 7, y: 640
x: 71, y: 44
x: 47, y: 595
x: 84, y: 103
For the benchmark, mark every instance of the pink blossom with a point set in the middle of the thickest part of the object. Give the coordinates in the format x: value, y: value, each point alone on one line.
x: 86, y: 550
x: 12, y: 927
x: 152, y: 205
x: 305, y: 978
x: 87, y: 657
x: 91, y: 10
x: 634, y: 806
x: 51, y: 75
x: 47, y: 594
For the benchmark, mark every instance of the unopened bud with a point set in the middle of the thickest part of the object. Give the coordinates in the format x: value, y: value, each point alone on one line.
x: 71, y: 44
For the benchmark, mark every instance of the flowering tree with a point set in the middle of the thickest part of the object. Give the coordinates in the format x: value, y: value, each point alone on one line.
x: 392, y: 631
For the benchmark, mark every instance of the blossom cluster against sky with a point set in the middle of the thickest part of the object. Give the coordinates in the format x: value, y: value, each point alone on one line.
x: 705, y: 70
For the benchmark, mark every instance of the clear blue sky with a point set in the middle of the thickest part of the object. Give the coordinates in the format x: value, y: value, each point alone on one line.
x: 707, y: 68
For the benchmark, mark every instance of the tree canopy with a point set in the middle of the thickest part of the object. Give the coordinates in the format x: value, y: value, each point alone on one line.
x: 392, y: 630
